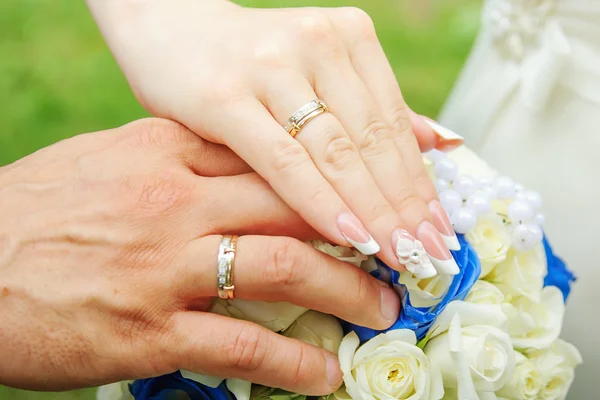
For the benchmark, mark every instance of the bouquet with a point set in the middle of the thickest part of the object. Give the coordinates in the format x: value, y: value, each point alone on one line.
x: 489, y: 332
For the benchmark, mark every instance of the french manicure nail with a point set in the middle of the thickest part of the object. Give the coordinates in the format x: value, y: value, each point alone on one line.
x: 333, y: 371
x: 443, y: 225
x: 390, y: 304
x: 437, y: 250
x: 356, y: 234
x: 449, y: 139
x: 412, y: 254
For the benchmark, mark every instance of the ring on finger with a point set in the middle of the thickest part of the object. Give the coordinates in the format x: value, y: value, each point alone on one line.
x: 225, y: 265
x: 304, y: 114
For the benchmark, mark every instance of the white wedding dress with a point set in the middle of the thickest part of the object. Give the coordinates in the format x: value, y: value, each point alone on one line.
x: 528, y: 102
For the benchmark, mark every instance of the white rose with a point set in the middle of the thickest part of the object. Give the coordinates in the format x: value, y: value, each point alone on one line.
x: 521, y: 274
x: 535, y: 324
x: 389, y: 366
x: 474, y: 356
x: 424, y: 292
x: 484, y: 292
x: 491, y: 240
x: 274, y: 316
x: 345, y: 254
x: 318, y: 329
x: 556, y: 365
x: 525, y: 382
x: 114, y: 391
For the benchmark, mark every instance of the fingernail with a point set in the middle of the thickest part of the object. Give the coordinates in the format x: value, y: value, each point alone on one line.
x: 390, y: 304
x: 449, y: 140
x: 443, y: 225
x: 356, y: 234
x: 334, y: 373
x: 436, y: 249
x: 412, y: 254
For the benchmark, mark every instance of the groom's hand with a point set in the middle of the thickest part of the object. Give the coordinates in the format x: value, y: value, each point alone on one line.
x: 108, y: 243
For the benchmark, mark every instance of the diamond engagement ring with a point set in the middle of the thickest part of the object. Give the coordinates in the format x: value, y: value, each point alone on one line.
x: 303, y: 115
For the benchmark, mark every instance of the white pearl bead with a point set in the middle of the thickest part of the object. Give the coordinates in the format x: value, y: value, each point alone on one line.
x: 505, y: 187
x: 484, y: 181
x: 480, y: 203
x: 521, y: 196
x: 441, y: 185
x: 536, y: 232
x: 489, y: 191
x: 534, y: 199
x: 520, y: 211
x: 525, y: 237
x: 521, y: 238
x: 465, y: 185
x: 463, y: 219
x: 451, y: 200
x: 435, y: 155
x: 539, y: 219
x: 445, y: 168
x: 519, y: 188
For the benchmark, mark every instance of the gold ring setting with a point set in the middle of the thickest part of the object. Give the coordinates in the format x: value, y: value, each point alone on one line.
x: 304, y: 114
x: 225, y: 265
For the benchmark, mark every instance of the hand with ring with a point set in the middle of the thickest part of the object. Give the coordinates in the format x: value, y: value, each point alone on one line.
x: 112, y: 245
x: 308, y: 99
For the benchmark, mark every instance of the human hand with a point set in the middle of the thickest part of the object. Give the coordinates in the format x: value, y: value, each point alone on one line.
x: 235, y: 75
x: 108, y: 250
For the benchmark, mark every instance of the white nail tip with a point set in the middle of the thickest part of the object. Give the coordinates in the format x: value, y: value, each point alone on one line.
x: 368, y: 249
x: 424, y: 272
x: 445, y: 267
x: 451, y: 242
x: 443, y: 132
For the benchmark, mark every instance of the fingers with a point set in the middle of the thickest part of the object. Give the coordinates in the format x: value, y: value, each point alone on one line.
x: 290, y: 171
x: 220, y: 346
x: 244, y: 204
x: 201, y: 156
x: 285, y: 269
x: 371, y: 65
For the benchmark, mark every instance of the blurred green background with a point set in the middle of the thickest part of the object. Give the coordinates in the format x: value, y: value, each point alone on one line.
x: 57, y: 78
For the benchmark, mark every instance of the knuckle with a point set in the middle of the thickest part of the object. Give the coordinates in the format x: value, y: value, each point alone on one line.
x: 377, y: 138
x: 270, y: 56
x: 163, y: 192
x: 340, y: 151
x: 249, y: 349
x: 314, y: 25
x: 317, y: 31
x: 399, y: 118
x: 288, y: 264
x: 360, y: 20
x: 288, y: 155
x: 412, y: 205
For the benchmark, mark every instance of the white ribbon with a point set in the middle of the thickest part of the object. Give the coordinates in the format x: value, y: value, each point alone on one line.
x: 542, y: 68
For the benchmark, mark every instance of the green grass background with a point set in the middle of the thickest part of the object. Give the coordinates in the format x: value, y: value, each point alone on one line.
x: 57, y: 78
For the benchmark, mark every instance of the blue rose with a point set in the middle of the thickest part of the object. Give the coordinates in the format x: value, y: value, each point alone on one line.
x: 419, y: 319
x: 175, y: 387
x: 558, y: 273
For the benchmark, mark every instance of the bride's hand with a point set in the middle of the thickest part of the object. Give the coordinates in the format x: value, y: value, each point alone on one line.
x: 108, y: 253
x: 235, y: 75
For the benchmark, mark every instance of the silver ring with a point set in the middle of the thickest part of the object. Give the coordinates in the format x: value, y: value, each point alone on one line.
x: 305, y: 114
x: 225, y: 265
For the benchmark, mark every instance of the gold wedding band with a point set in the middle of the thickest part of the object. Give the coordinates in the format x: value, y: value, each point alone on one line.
x: 305, y: 114
x: 225, y: 264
